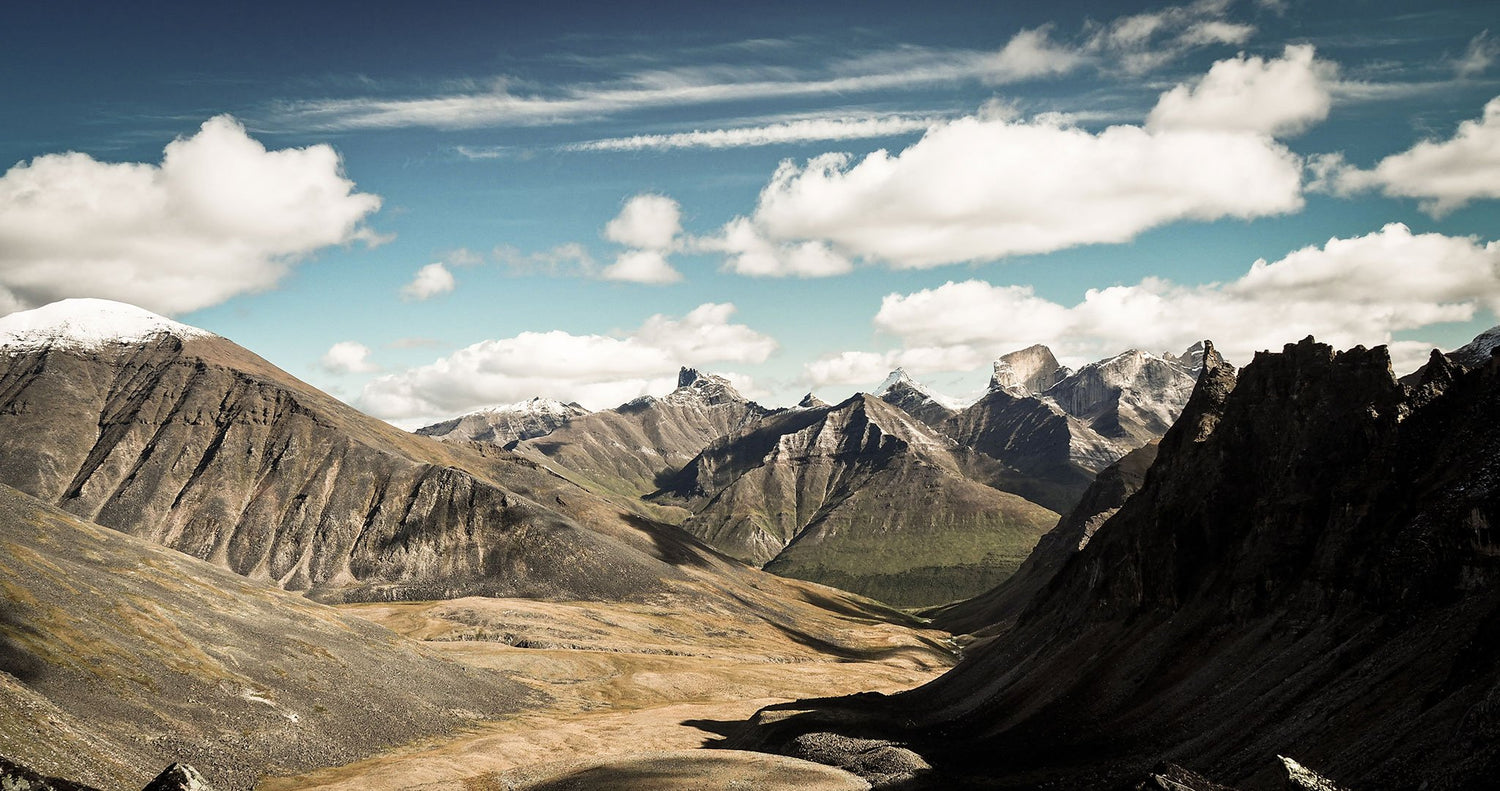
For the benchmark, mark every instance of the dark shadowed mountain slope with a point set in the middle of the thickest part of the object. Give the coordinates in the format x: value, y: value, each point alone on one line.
x: 1309, y: 569
x: 862, y: 496
x: 630, y: 450
x: 502, y: 425
x: 121, y: 657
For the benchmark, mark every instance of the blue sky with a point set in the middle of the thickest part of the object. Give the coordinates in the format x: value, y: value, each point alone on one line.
x: 595, y: 193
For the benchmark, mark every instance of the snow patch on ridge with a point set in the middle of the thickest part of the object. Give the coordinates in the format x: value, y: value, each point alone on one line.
x: 899, y: 377
x: 87, y: 324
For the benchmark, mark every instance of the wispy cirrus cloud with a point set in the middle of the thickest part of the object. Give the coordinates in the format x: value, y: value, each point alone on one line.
x: 1133, y: 45
x: 801, y: 130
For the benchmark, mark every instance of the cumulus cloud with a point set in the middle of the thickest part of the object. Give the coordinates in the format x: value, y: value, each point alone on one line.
x: 429, y: 281
x: 994, y: 185
x: 642, y: 266
x: 980, y: 189
x: 1277, y: 97
x: 651, y: 225
x: 865, y: 368
x: 348, y: 357
x: 1348, y: 291
x: 598, y: 371
x: 1446, y: 174
x: 750, y: 253
x: 220, y: 216
x: 648, y: 222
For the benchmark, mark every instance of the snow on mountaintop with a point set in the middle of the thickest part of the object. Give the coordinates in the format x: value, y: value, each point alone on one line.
x: 535, y: 406
x: 87, y: 324
x: 899, y: 378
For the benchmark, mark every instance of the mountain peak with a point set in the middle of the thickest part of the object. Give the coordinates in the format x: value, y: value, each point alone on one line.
x: 896, y: 377
x: 1027, y: 371
x: 87, y: 324
x: 709, y: 388
x: 811, y: 401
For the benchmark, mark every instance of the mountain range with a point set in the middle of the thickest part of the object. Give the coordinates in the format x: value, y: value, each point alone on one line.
x: 902, y: 495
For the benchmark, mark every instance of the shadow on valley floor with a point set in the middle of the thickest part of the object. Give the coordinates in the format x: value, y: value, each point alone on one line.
x: 869, y: 613
x: 15, y: 659
x: 672, y: 545
x: 721, y: 730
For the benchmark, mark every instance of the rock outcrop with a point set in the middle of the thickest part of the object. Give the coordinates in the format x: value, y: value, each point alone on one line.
x: 1309, y: 565
x: 1029, y: 371
x: 861, y: 496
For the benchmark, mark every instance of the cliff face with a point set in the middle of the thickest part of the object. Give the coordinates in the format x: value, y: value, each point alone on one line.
x: 1309, y: 568
x: 861, y: 496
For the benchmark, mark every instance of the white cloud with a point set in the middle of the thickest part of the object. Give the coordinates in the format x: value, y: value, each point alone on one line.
x: 1478, y: 57
x: 793, y: 131
x: 348, y: 357
x: 985, y: 188
x: 1447, y: 174
x: 647, y: 222
x: 641, y: 266
x: 848, y: 368
x: 220, y: 216
x: 1277, y: 97
x: 1031, y: 54
x: 865, y: 368
x: 599, y: 371
x: 1135, y: 44
x: 750, y: 253
x: 429, y: 281
x: 1140, y: 43
x: 651, y: 225
x: 1346, y: 292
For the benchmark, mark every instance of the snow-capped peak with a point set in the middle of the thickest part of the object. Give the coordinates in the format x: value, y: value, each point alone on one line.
x: 896, y: 377
x: 899, y: 378
x: 87, y: 324
x: 537, y: 406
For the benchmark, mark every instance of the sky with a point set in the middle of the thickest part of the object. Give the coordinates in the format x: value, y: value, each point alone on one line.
x: 429, y: 208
